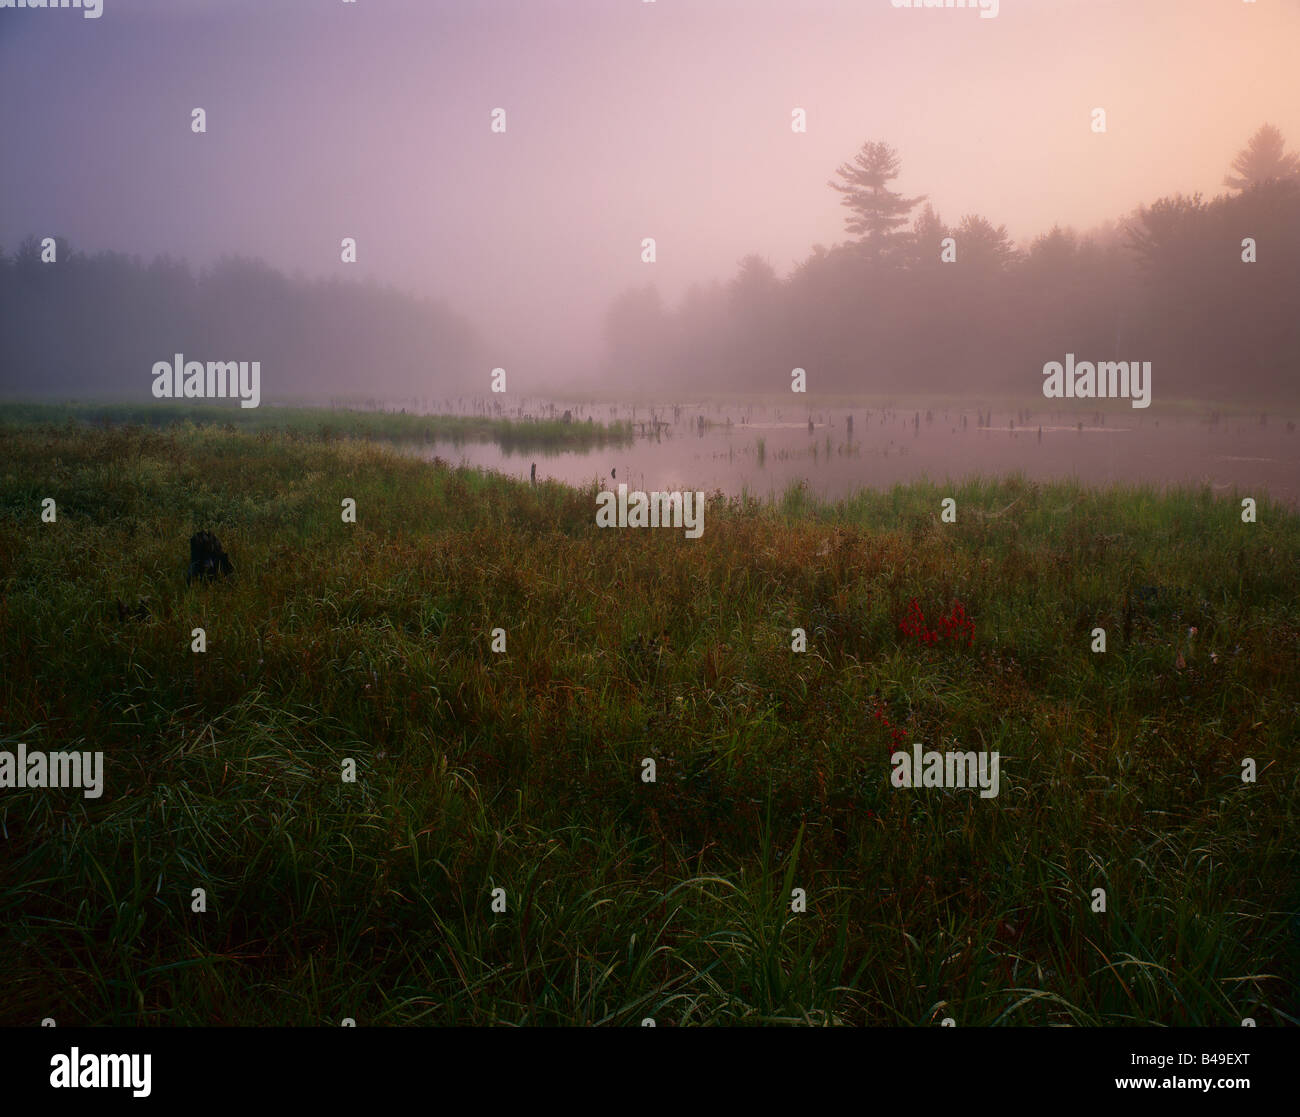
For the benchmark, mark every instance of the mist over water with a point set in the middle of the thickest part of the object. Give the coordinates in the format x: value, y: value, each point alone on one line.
x: 762, y: 449
x: 614, y: 198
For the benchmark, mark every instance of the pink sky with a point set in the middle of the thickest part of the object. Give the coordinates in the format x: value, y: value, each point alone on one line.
x: 625, y: 120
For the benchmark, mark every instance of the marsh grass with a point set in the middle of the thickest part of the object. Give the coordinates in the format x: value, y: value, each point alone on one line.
x: 671, y: 900
x: 512, y: 435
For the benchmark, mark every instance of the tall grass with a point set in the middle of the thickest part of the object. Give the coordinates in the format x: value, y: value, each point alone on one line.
x: 521, y: 770
x: 320, y: 423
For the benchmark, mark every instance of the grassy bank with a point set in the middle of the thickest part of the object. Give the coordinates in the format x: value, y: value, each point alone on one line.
x: 522, y: 770
x: 512, y: 435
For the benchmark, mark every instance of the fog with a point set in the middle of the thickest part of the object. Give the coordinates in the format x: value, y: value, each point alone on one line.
x: 628, y: 120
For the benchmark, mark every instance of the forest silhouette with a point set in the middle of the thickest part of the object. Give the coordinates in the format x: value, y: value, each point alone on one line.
x: 881, y: 310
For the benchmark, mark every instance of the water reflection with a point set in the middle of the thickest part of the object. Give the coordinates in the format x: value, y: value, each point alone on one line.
x: 760, y: 450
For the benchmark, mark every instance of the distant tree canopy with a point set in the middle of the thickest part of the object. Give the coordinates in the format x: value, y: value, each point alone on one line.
x: 1169, y: 283
x: 1165, y: 231
x: 928, y: 233
x: 1263, y: 159
x: 982, y: 244
x: 95, y: 325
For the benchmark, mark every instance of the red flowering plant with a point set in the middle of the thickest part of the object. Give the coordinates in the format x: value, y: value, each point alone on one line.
x: 955, y: 629
x: 897, y: 736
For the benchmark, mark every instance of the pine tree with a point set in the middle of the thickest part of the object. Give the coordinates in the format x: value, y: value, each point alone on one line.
x: 877, y: 214
x: 1264, y: 157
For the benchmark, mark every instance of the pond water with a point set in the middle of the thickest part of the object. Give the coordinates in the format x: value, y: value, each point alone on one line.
x: 761, y: 450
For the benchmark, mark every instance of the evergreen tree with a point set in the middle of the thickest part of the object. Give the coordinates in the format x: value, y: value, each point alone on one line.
x: 1265, y: 157
x: 876, y: 213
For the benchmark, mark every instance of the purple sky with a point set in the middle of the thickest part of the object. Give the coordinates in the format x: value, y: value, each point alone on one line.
x: 625, y: 120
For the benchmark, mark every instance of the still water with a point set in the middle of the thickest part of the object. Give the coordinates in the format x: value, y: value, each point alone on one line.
x: 761, y: 450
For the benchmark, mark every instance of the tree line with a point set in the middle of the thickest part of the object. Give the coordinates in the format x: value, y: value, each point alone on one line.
x: 899, y: 304
x: 94, y: 324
